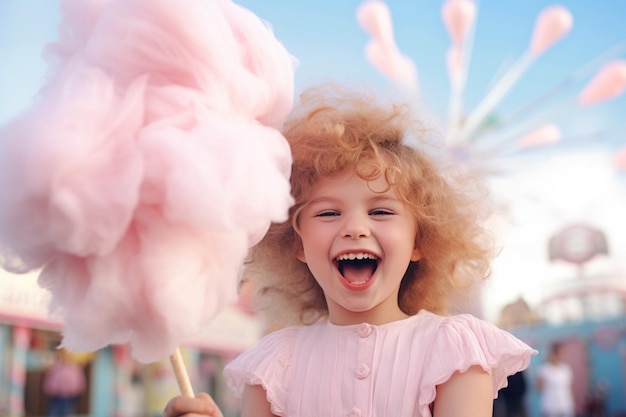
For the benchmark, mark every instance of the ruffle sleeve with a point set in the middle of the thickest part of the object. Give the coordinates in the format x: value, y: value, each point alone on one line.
x: 269, y: 364
x: 463, y: 341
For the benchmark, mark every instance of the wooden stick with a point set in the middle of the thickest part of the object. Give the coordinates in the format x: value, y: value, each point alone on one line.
x: 182, y: 378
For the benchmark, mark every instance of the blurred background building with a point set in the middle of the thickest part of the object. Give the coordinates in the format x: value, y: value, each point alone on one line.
x: 586, y: 313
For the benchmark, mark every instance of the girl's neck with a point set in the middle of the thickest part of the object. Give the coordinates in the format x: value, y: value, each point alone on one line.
x: 346, y: 318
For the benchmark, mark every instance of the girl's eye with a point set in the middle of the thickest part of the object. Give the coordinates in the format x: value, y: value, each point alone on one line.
x: 381, y: 212
x: 327, y: 214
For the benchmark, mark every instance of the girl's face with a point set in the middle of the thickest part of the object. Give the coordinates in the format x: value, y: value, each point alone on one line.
x: 358, y: 241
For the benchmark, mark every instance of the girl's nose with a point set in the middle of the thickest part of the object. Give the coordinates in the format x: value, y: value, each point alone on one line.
x: 356, y: 227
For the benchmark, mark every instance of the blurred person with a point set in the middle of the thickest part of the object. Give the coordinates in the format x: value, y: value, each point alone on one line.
x: 63, y: 383
x: 555, y: 382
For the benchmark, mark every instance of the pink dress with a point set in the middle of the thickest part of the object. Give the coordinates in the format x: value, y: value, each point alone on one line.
x: 367, y: 370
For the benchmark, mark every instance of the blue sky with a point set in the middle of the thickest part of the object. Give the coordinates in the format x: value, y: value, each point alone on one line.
x: 327, y: 40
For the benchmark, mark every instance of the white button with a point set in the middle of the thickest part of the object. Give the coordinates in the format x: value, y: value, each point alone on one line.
x: 364, y: 330
x: 355, y: 412
x: 362, y: 371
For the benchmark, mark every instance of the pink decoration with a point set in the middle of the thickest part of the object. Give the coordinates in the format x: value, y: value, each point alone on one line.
x: 619, y: 158
x: 458, y: 16
x: 544, y: 135
x: 375, y: 18
x: 609, y: 82
x: 553, y: 23
x: 146, y: 167
x: 381, y: 51
x: 454, y: 61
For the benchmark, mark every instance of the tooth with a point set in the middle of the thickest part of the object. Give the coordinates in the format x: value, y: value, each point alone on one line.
x: 353, y: 256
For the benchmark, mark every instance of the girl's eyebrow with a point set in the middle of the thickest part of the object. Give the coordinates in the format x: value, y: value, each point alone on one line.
x: 379, y: 198
x: 385, y: 198
x: 319, y: 200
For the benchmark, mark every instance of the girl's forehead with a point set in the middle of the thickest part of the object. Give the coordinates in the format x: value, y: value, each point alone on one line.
x: 350, y: 180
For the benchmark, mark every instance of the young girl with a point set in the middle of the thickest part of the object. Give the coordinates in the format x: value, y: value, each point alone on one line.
x: 380, y: 245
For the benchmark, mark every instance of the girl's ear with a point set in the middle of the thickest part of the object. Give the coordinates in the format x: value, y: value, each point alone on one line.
x: 300, y: 255
x: 416, y: 255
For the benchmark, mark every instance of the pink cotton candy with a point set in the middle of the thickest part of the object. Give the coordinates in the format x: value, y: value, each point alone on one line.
x: 146, y: 167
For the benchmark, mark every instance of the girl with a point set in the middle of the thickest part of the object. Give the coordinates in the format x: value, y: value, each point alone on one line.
x: 379, y: 248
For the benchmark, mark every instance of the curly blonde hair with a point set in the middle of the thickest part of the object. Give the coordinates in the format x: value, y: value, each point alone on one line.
x: 333, y: 130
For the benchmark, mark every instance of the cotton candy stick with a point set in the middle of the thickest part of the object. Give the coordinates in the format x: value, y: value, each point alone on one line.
x: 180, y: 372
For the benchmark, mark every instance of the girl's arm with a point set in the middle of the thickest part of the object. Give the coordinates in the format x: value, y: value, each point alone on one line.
x: 465, y: 395
x: 254, y: 402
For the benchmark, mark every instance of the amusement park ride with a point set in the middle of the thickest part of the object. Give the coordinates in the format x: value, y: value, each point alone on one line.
x: 478, y: 137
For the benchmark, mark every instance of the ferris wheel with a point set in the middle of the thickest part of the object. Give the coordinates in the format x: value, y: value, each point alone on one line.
x: 482, y: 135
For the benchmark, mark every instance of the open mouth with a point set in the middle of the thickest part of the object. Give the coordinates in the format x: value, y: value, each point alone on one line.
x: 357, y: 268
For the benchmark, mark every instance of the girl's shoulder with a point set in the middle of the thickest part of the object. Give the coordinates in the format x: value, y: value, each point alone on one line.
x: 476, y: 340
x: 461, y: 341
x: 271, y: 355
x: 426, y: 324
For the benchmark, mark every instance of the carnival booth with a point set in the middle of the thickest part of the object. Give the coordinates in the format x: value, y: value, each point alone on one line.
x: 115, y: 384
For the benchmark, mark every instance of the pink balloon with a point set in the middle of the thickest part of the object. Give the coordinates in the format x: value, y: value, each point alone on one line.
x: 553, y: 23
x: 619, y: 159
x: 609, y: 82
x: 392, y: 63
x: 382, y: 51
x: 375, y: 18
x: 545, y: 135
x: 458, y: 16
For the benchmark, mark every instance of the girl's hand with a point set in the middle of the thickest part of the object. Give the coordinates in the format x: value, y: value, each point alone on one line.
x: 201, y: 405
